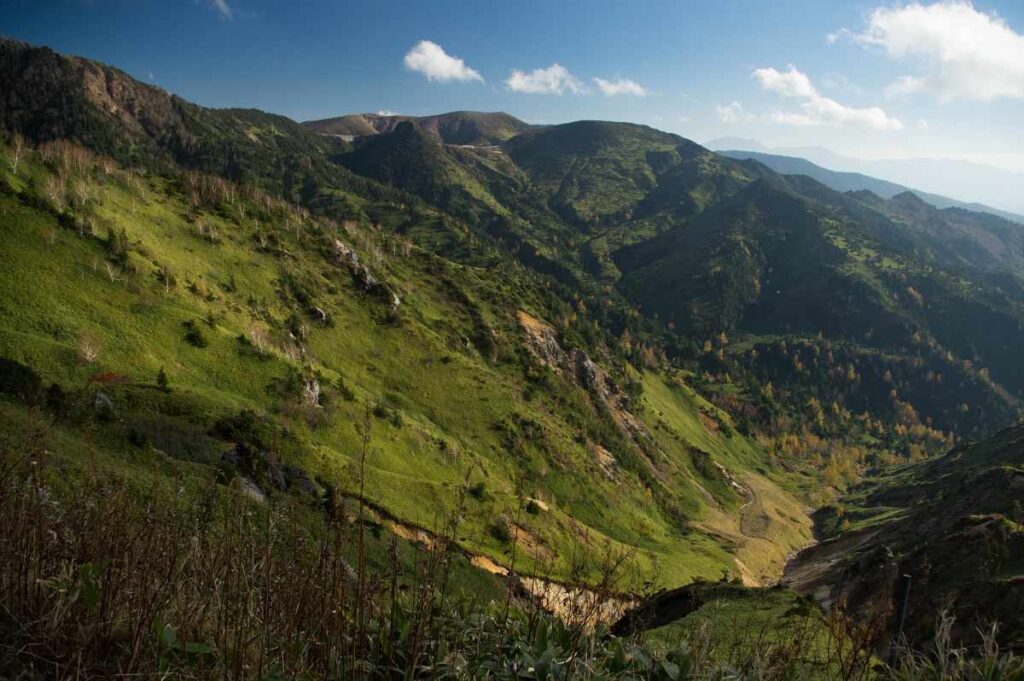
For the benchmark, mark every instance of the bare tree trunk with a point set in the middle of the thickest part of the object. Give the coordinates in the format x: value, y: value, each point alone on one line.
x: 18, y: 146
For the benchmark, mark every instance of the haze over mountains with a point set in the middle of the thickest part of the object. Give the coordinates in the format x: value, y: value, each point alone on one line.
x: 960, y: 180
x: 523, y: 350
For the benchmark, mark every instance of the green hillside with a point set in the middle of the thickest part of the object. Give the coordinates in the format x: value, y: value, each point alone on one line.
x: 457, y: 127
x: 953, y: 524
x: 290, y: 327
x: 543, y: 350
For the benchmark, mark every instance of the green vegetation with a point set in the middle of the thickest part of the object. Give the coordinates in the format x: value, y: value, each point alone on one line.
x: 951, y: 523
x: 160, y: 581
x: 277, y: 322
x: 532, y: 351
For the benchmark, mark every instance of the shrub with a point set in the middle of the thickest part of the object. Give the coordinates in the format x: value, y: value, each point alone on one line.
x: 344, y: 390
x: 194, y: 335
x: 383, y: 411
x: 137, y: 438
x: 20, y: 381
x: 118, y: 245
x: 57, y: 402
x: 478, y: 491
x: 500, y: 531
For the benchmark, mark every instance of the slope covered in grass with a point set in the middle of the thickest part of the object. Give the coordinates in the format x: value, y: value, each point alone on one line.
x: 953, y: 524
x: 279, y: 332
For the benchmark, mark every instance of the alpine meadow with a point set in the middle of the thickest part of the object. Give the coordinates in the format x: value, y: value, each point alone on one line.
x: 467, y: 394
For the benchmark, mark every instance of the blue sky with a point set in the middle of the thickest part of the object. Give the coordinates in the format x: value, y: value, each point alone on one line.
x: 862, y: 78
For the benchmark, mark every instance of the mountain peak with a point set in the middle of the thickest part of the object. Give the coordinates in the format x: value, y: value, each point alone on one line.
x: 909, y: 198
x: 455, y: 127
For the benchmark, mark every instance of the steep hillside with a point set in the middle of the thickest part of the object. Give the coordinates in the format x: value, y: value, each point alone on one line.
x: 593, y: 171
x: 605, y: 335
x: 780, y: 259
x: 636, y: 218
x: 47, y: 96
x: 952, y: 526
x: 215, y: 324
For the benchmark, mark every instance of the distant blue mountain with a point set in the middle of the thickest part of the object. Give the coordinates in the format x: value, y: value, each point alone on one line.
x: 848, y: 181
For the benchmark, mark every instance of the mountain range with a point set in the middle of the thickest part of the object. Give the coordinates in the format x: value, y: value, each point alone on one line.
x: 581, y: 340
x: 972, y: 183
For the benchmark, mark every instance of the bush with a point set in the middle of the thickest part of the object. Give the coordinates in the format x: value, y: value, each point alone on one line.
x: 20, y: 381
x: 194, y: 335
x: 383, y: 411
x: 57, y: 402
x: 478, y: 491
x: 137, y: 438
x: 499, y: 530
x: 344, y: 390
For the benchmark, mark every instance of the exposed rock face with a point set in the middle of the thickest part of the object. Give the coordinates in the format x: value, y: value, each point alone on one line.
x: 264, y: 471
x: 362, y: 276
x: 87, y: 91
x: 542, y: 342
x: 48, y: 96
x: 311, y: 393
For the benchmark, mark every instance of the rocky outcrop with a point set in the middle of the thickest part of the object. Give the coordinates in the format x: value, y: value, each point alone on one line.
x: 542, y: 342
x: 346, y: 256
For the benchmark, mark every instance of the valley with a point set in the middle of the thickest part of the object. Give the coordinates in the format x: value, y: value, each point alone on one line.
x: 576, y: 370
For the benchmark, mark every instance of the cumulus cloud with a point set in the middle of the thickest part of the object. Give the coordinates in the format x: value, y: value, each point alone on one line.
x: 431, y: 60
x: 621, y: 86
x: 554, y: 80
x: 223, y: 8
x: 816, y: 109
x: 965, y: 53
x: 730, y: 113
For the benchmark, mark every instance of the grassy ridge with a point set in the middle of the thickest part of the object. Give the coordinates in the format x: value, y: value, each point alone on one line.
x: 225, y: 297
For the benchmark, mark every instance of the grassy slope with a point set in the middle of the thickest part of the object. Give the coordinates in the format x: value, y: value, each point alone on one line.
x: 735, y: 623
x: 419, y: 367
x: 953, y: 523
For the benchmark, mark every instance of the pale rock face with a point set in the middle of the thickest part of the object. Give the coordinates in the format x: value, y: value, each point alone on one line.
x: 542, y: 342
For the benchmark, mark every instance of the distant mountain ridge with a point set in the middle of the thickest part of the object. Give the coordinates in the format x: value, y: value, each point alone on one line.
x: 970, y: 182
x: 456, y: 127
x: 844, y: 181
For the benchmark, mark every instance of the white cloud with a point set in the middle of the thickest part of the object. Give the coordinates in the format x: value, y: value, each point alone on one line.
x: 621, y: 86
x: 731, y: 112
x: 816, y: 109
x: 387, y: 112
x: 791, y: 83
x: 967, y: 53
x: 431, y: 60
x: 223, y: 8
x: 841, y: 83
x: 553, y: 80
